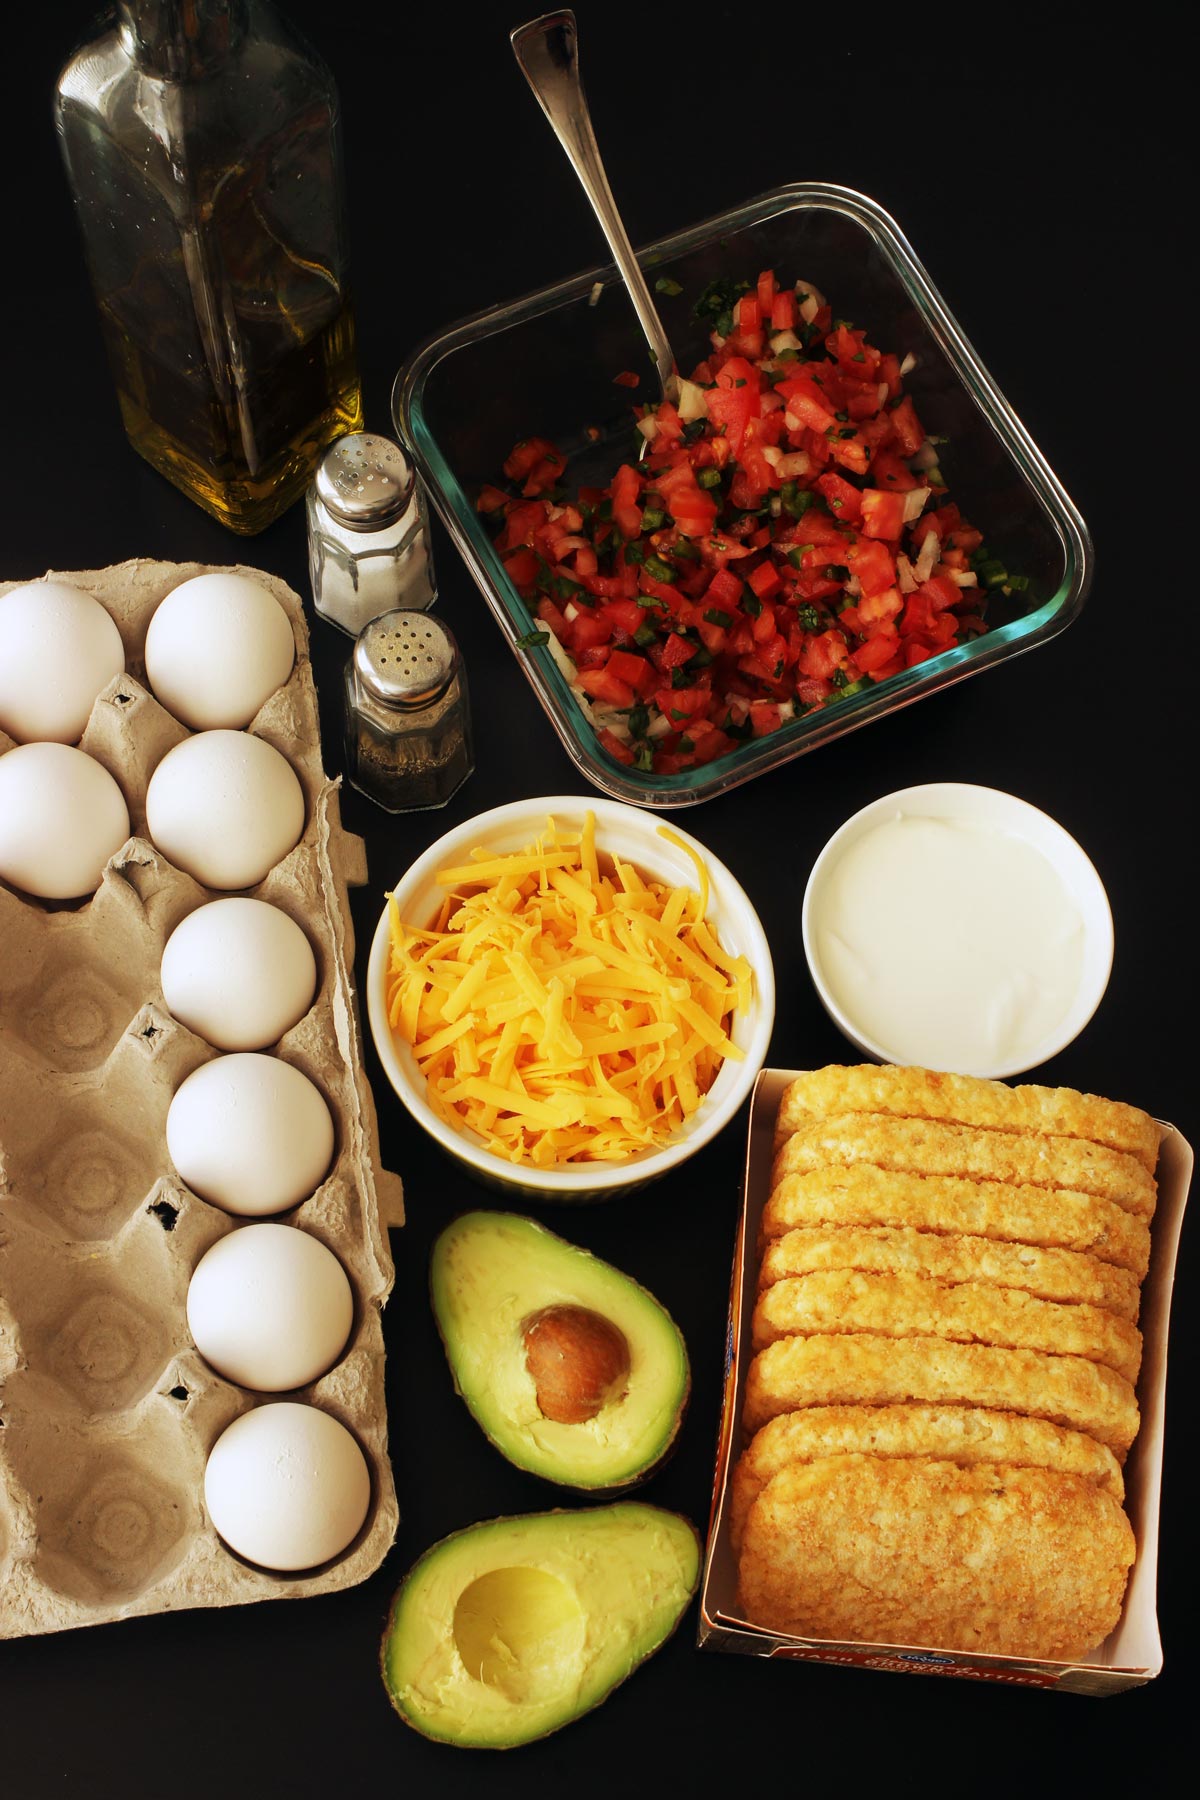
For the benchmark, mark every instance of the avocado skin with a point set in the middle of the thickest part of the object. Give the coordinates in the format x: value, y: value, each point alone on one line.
x: 573, y: 1275
x: 528, y: 1727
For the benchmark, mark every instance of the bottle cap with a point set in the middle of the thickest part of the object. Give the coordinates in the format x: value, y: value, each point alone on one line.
x: 364, y: 481
x: 406, y: 659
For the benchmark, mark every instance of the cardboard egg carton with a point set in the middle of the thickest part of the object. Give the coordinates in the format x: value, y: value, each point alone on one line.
x: 108, y: 1410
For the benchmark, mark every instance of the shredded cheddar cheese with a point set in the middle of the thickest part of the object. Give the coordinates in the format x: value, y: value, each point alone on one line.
x: 565, y: 1009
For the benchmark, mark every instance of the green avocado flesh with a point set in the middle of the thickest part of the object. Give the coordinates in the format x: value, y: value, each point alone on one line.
x: 491, y: 1274
x: 509, y: 1630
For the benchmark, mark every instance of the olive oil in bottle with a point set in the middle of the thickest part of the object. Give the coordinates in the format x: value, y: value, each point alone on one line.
x: 201, y: 139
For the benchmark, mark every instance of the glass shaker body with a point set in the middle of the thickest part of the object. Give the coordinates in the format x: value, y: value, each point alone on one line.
x: 202, y: 146
x: 368, y: 538
x: 408, y: 720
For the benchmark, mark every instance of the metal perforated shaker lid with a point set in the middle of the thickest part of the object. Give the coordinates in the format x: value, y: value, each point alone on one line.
x: 364, y: 481
x: 406, y: 659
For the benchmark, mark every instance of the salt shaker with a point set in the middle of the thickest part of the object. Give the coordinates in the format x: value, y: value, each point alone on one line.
x: 368, y: 545
x: 408, y: 722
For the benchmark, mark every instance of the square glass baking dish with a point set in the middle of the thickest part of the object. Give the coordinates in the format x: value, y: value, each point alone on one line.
x: 545, y: 365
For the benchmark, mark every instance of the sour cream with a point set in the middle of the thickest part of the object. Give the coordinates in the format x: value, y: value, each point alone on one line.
x: 958, y: 934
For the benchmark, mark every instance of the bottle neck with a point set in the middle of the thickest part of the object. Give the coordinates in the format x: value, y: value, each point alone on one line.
x: 181, y: 40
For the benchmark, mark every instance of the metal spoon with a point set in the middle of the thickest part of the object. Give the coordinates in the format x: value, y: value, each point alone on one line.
x: 547, y: 51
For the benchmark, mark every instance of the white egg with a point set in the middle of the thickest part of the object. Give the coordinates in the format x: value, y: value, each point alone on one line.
x: 61, y: 817
x: 239, y: 973
x: 287, y: 1486
x: 58, y: 648
x: 218, y: 646
x: 225, y: 807
x: 270, y: 1307
x: 250, y: 1133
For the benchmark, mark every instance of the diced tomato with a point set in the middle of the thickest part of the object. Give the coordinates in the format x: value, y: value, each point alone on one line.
x: 765, y: 580
x: 734, y: 401
x: 892, y: 472
x: 627, y: 515
x: 627, y: 378
x: 765, y: 717
x: 878, y: 608
x: 784, y: 311
x: 724, y: 590
x: 681, y: 703
x: 907, y: 429
x: 872, y: 567
x: 633, y: 669
x: 882, y: 514
x: 806, y: 402
x: 765, y: 293
x: 522, y: 567
x: 616, y: 749
x: 602, y: 684
x: 693, y: 510
x: 877, y: 650
x: 942, y: 591
x: 525, y: 456
x: 842, y: 496
x: 676, y: 651
x: 824, y: 653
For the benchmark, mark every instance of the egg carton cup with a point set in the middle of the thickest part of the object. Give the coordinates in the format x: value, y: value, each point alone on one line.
x: 108, y: 1410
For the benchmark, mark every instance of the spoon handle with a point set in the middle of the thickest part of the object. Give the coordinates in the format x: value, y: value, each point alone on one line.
x: 547, y: 51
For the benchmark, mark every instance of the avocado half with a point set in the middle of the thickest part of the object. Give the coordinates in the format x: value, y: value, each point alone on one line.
x: 508, y: 1630
x: 532, y: 1327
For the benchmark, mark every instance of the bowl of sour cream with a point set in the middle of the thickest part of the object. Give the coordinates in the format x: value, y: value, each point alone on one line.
x: 957, y: 927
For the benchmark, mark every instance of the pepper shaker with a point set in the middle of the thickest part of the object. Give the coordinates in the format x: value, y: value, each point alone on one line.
x: 368, y: 542
x: 408, y: 722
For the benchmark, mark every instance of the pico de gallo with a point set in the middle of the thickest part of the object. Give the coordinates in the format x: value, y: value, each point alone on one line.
x: 781, y: 539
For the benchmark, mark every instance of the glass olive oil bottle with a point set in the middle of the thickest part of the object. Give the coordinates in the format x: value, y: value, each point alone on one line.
x: 202, y: 145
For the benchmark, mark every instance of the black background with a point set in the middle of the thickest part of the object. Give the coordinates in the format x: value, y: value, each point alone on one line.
x: 1036, y: 162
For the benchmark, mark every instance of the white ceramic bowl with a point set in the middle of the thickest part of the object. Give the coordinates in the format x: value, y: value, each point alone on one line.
x: 634, y: 836
x: 932, y: 1024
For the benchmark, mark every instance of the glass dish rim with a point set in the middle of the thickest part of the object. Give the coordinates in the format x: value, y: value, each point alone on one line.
x: 799, y: 736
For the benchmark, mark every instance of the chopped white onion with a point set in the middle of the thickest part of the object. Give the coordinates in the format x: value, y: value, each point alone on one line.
x: 914, y: 503
x: 786, y: 709
x: 776, y: 506
x: 772, y: 454
x: 785, y: 340
x: 905, y: 579
x: 691, y: 403
x: 597, y: 290
x: 882, y: 392
x: 853, y: 585
x: 929, y: 552
x: 570, y: 611
x: 659, y: 726
x: 796, y: 462
x: 909, y: 364
x: 926, y: 457
x: 648, y: 428
x: 963, y: 577
x: 812, y: 302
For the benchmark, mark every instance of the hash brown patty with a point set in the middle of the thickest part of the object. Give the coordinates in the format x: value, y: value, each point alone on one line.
x: 966, y: 1435
x: 1018, y: 1561
x: 860, y: 1368
x: 969, y: 1100
x: 969, y: 1312
x: 1051, y: 1274
x: 1051, y: 1218
x: 929, y: 1147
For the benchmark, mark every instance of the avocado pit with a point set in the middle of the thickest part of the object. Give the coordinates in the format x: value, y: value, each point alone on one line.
x: 578, y: 1360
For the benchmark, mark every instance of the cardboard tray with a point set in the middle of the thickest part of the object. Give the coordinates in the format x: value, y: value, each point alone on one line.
x: 108, y: 1410
x: 1132, y: 1654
